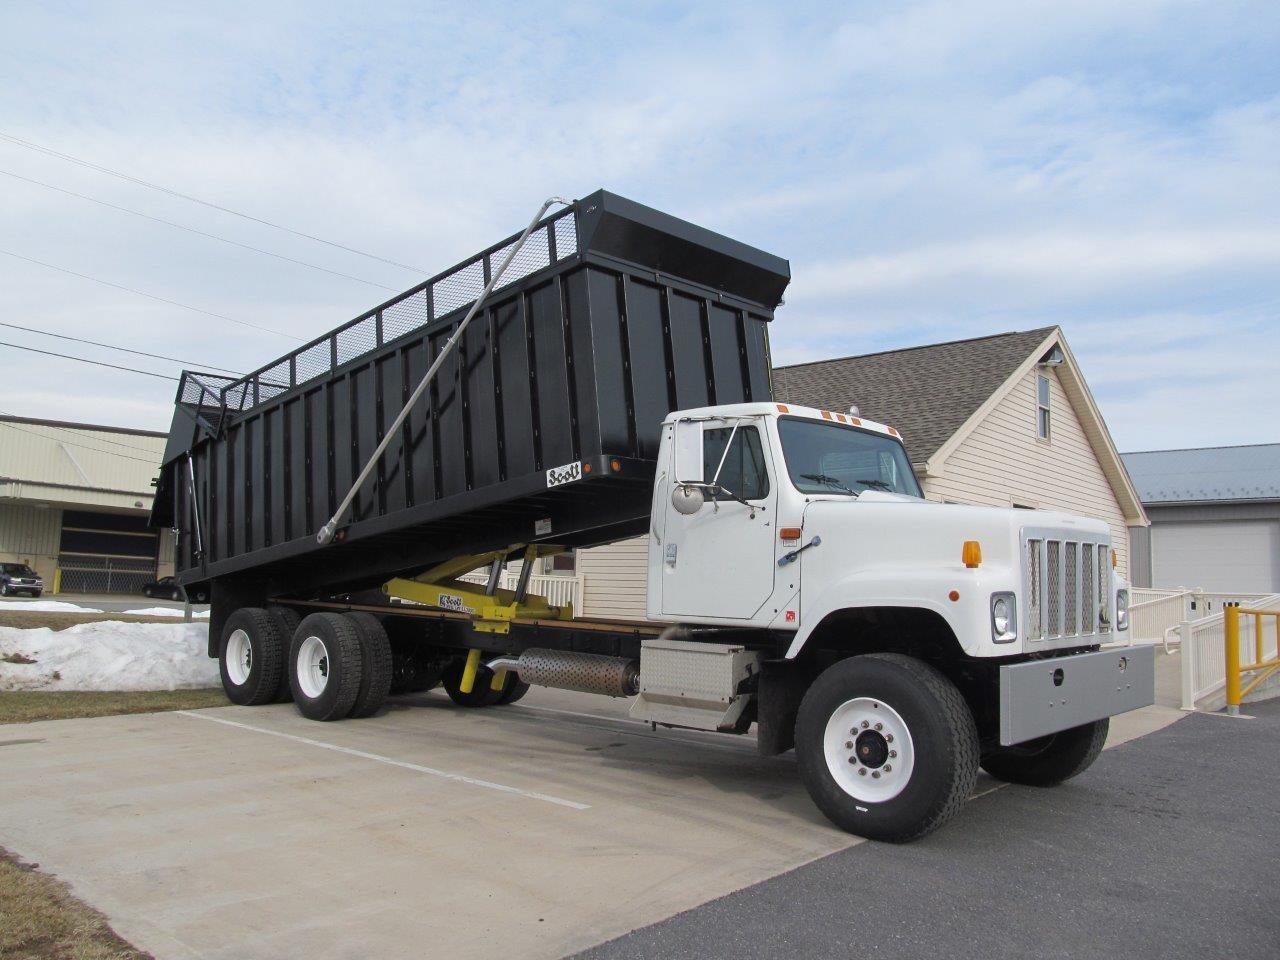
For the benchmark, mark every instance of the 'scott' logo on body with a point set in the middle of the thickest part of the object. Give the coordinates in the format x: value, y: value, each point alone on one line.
x: 566, y: 474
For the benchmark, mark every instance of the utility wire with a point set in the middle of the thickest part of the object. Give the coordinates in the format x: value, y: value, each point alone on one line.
x: 110, y: 346
x: 149, y: 296
x: 96, y: 363
x: 199, y: 233
x: 69, y: 443
x: 18, y: 141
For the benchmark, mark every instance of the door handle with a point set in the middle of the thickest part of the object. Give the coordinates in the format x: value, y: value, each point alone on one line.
x: 795, y: 554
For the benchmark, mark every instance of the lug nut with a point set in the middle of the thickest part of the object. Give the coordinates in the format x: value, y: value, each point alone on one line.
x: 862, y: 771
x: 889, y: 738
x: 893, y: 753
x: 888, y: 768
x: 879, y: 726
x: 853, y: 759
x: 848, y: 744
x: 875, y: 774
x: 865, y: 724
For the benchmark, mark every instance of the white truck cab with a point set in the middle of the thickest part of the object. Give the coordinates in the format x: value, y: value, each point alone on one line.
x: 1001, y: 627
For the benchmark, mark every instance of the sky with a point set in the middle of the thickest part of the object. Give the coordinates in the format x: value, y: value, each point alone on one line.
x: 932, y: 171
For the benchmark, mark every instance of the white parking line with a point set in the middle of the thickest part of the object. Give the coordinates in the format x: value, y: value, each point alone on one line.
x: 404, y: 765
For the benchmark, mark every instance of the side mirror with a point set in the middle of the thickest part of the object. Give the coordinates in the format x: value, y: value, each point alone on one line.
x: 687, y: 500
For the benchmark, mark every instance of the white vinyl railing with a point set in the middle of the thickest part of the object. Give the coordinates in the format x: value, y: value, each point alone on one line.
x: 1154, y: 615
x: 560, y: 591
x: 1204, y: 662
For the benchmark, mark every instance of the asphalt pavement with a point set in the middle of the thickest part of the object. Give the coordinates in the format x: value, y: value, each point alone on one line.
x: 1168, y: 847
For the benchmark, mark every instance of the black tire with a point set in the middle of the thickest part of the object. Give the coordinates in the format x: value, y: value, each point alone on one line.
x: 482, y: 693
x: 375, y: 682
x: 513, y: 690
x: 1048, y: 761
x: 251, y: 655
x: 288, y: 620
x: 329, y: 692
x: 936, y: 723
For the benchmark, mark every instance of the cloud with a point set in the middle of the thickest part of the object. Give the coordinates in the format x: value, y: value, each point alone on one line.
x: 931, y: 170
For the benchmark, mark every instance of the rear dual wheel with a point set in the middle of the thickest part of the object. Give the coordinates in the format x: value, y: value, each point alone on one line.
x: 340, y: 666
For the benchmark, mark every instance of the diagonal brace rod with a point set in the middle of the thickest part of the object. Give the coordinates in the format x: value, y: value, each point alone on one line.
x: 325, y: 534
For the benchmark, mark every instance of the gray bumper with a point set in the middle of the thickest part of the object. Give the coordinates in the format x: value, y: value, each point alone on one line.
x: 1044, y: 696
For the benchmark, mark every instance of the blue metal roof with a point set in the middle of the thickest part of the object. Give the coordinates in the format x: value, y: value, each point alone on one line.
x: 1207, y: 474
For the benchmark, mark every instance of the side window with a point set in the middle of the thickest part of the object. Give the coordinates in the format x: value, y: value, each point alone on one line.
x: 1042, y: 408
x: 744, y: 471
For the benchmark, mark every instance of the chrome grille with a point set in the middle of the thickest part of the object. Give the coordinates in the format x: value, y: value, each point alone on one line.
x: 1067, y: 584
x: 1034, y: 594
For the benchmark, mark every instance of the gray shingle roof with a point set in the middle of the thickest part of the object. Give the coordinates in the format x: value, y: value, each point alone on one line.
x: 927, y: 393
x: 1206, y: 474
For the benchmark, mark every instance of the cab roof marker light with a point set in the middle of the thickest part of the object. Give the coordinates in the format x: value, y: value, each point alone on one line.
x: 783, y: 408
x: 971, y: 554
x: 826, y: 414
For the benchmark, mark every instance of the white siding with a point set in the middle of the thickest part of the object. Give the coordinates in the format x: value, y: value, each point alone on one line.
x: 614, y: 578
x: 1004, y: 463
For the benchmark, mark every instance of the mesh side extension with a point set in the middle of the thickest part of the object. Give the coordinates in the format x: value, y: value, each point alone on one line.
x: 1088, y: 610
x: 1053, y: 588
x: 1034, y: 592
x: 1073, y: 589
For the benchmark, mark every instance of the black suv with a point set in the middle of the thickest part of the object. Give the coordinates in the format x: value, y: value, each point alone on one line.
x: 16, y: 578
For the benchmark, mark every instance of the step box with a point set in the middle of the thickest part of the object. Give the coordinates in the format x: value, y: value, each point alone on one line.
x: 702, y: 686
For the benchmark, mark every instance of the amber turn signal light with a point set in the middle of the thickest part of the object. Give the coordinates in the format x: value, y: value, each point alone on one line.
x: 789, y: 533
x: 971, y: 554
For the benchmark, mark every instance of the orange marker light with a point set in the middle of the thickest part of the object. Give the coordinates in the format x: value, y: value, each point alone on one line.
x: 855, y: 421
x: 615, y: 465
x: 841, y: 418
x: 783, y: 408
x: 893, y: 431
x: 971, y: 554
x: 586, y: 468
x: 790, y: 533
x: 1115, y: 559
x: 953, y: 596
x: 826, y: 414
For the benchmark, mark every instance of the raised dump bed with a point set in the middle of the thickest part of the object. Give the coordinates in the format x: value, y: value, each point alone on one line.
x: 542, y: 426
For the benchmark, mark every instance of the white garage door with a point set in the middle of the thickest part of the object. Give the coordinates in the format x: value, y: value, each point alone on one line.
x: 1233, y: 556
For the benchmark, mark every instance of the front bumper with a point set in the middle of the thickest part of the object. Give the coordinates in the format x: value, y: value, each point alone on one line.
x: 1041, y: 697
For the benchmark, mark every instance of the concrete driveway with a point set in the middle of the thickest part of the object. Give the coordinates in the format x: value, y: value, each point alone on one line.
x: 533, y: 830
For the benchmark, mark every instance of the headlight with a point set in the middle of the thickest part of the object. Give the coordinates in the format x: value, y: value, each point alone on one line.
x: 1004, y: 618
x: 1122, y: 609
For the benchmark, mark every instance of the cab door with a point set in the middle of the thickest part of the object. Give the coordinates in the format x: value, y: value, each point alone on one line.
x: 718, y: 563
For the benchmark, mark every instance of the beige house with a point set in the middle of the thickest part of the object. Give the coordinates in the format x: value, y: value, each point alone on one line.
x: 74, y: 504
x: 1006, y: 420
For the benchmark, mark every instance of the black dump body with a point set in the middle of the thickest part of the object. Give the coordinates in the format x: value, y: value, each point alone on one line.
x: 614, y: 315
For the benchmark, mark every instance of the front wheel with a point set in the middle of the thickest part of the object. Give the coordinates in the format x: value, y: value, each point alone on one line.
x: 1050, y: 760
x: 887, y: 746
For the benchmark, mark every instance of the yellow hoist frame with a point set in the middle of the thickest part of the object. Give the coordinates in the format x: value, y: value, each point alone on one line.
x: 491, y: 607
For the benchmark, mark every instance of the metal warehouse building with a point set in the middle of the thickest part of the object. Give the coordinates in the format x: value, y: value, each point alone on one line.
x: 74, y: 502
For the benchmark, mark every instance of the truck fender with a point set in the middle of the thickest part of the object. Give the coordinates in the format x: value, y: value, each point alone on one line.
x: 902, y: 588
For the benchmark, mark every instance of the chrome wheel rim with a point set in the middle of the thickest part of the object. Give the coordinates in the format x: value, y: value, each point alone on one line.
x: 239, y: 657
x: 869, y: 750
x: 313, y: 667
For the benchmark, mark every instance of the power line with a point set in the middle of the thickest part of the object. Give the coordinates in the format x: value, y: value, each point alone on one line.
x: 149, y: 296
x: 69, y: 443
x: 18, y: 141
x: 110, y: 346
x: 199, y: 233
x: 96, y: 363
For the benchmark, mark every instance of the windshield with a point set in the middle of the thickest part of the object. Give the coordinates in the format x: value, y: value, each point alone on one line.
x: 830, y: 458
x: 17, y: 570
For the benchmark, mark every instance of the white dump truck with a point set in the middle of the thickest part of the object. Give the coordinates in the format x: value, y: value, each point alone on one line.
x: 612, y: 383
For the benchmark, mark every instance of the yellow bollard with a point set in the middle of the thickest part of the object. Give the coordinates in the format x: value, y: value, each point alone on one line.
x: 468, y: 681
x: 499, y: 678
x: 57, y: 579
x: 1231, y: 629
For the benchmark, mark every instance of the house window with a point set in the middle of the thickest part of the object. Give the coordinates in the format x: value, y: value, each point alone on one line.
x: 1042, y: 407
x: 561, y: 565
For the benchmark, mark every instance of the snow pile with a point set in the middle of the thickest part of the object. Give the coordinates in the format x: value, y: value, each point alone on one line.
x: 48, y: 606
x: 167, y: 612
x: 108, y: 656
